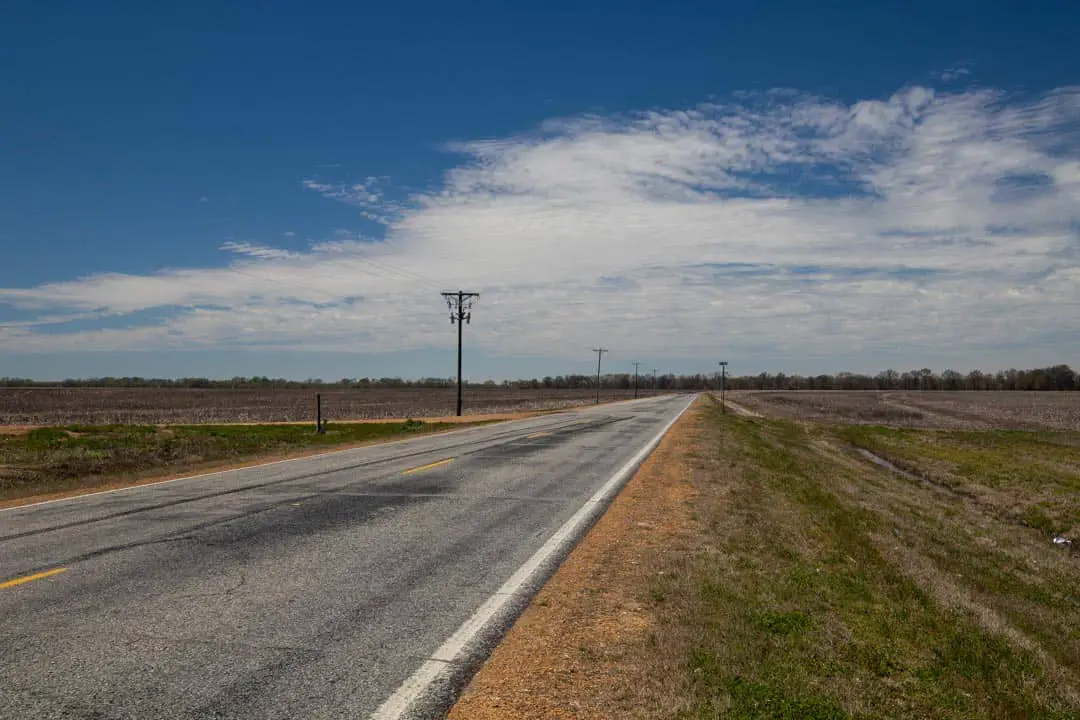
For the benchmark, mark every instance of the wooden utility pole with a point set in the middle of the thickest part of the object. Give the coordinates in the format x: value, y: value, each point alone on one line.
x: 599, y: 354
x: 460, y: 304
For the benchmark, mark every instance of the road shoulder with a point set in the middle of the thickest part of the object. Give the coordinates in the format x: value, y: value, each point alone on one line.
x: 574, y: 651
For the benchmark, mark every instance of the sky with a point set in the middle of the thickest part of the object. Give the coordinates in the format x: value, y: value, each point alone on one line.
x: 284, y: 189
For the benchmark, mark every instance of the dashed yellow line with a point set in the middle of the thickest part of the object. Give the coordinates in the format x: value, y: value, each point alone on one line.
x: 30, y: 578
x: 537, y: 434
x: 429, y: 466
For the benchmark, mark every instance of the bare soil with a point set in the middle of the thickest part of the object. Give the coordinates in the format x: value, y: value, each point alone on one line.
x: 929, y: 409
x: 38, y: 407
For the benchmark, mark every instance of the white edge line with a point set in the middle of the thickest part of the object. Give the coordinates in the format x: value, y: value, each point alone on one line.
x: 440, y: 664
x: 259, y: 465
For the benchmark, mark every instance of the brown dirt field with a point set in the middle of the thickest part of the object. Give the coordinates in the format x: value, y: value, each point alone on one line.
x: 468, y: 418
x: 176, y: 406
x: 576, y: 650
x: 929, y: 409
x: 450, y: 419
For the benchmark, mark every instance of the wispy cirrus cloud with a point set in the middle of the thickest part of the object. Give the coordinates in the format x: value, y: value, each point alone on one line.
x: 955, y: 72
x: 367, y: 196
x: 780, y: 220
x: 256, y: 251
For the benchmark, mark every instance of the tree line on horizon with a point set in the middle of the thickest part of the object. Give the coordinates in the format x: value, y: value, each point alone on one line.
x: 1057, y: 377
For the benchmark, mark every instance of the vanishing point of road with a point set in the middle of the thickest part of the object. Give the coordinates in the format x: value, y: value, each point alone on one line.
x: 356, y: 584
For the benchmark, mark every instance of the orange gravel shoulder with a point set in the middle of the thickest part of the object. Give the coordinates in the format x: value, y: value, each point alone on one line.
x: 578, y: 650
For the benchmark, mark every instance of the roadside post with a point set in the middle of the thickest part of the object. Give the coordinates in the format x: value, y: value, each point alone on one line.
x: 723, y: 385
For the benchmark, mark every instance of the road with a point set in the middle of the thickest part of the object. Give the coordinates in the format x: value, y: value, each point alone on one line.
x: 311, y: 588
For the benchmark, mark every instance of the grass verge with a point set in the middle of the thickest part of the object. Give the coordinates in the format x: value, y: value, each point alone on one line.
x: 788, y: 579
x: 1028, y: 477
x: 838, y: 590
x: 81, y: 457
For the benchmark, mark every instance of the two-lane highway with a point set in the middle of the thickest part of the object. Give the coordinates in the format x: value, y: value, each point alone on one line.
x: 324, y: 587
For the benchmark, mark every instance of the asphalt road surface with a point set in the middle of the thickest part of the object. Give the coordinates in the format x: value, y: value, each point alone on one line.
x: 310, y: 588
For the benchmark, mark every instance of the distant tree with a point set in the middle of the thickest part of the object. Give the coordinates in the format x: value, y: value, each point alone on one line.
x: 1062, y: 377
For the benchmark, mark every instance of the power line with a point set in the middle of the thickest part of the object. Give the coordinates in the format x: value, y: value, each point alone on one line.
x: 386, y: 268
x: 460, y: 305
x: 599, y: 354
x: 402, y: 273
x: 316, y: 307
x: 278, y: 281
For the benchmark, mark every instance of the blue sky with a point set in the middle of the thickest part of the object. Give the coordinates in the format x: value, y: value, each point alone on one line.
x: 283, y: 188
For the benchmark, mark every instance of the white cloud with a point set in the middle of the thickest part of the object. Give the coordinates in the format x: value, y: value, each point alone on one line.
x: 781, y: 222
x: 256, y: 251
x: 954, y: 72
x: 367, y: 196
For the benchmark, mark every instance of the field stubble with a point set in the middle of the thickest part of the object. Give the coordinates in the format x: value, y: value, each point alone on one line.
x: 951, y: 410
x: 161, y: 406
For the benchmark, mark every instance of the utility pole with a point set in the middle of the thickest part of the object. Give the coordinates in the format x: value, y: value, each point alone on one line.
x: 654, y: 380
x: 723, y: 384
x: 599, y: 354
x: 635, y: 378
x: 460, y: 305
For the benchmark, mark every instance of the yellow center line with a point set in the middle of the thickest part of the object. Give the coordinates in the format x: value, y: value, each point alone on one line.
x: 537, y: 434
x: 30, y: 578
x: 410, y: 471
